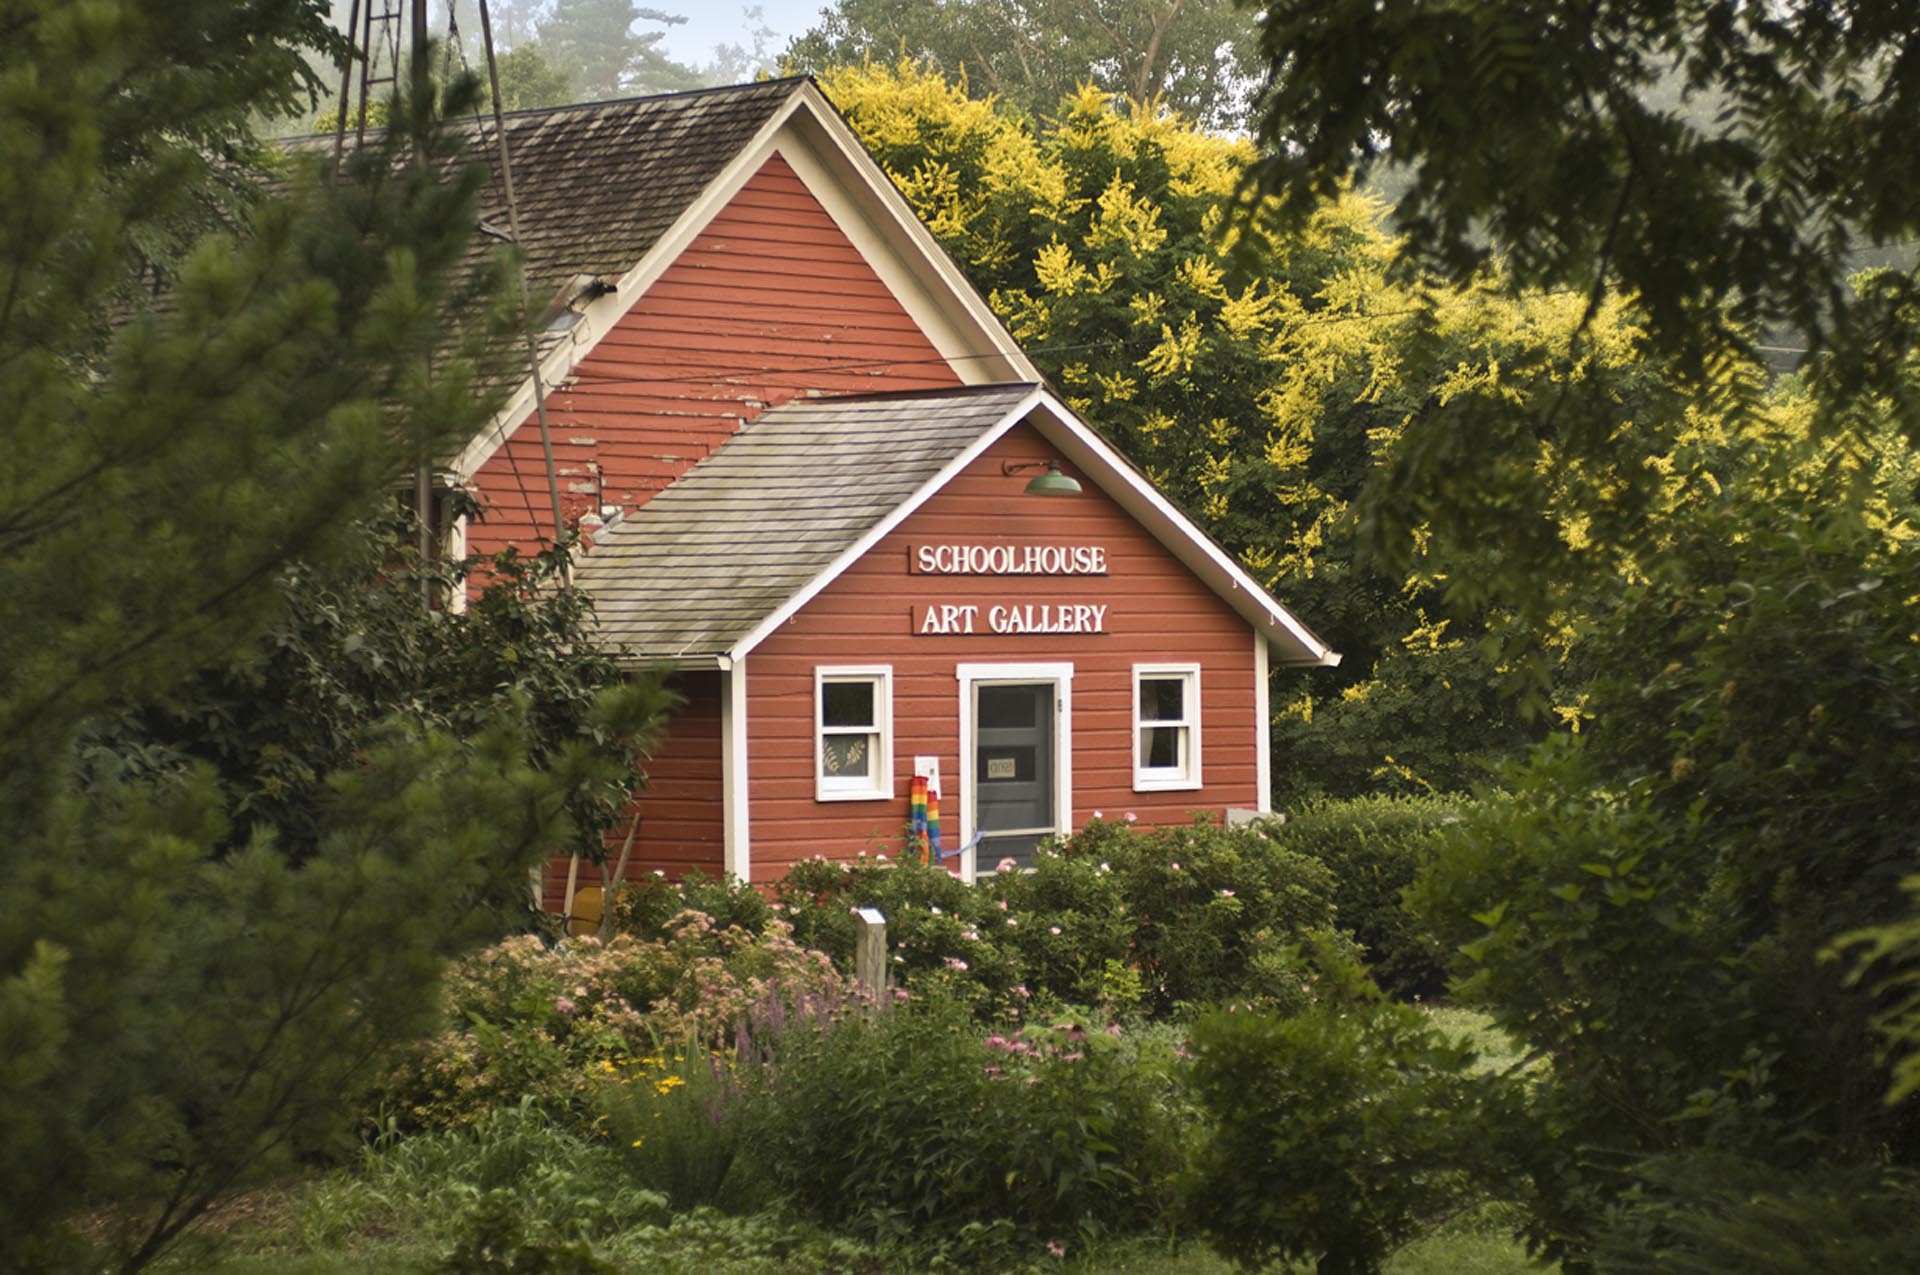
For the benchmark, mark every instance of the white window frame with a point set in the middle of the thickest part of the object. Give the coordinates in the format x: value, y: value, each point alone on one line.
x: 878, y: 786
x: 1183, y: 778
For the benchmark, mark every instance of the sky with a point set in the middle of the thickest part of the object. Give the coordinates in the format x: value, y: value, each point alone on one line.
x: 712, y: 22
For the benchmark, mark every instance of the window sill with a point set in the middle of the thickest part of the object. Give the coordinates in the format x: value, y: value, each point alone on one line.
x: 852, y: 794
x: 1170, y: 783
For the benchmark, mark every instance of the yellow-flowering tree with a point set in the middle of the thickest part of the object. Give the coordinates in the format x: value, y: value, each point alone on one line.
x: 1261, y: 379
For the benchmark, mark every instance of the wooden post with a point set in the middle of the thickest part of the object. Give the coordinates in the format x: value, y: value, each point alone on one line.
x: 870, y: 952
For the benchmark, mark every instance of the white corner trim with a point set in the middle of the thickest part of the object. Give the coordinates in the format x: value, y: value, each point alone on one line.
x: 736, y: 815
x: 968, y: 676
x: 854, y: 552
x: 1262, y: 729
x: 838, y: 169
x: 882, y: 677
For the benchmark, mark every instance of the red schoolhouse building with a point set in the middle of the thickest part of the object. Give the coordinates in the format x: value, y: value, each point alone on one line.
x: 830, y: 493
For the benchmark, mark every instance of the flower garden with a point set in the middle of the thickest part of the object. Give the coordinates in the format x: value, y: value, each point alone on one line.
x: 1089, y: 1065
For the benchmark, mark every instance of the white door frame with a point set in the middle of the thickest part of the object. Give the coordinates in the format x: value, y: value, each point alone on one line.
x: 1061, y: 675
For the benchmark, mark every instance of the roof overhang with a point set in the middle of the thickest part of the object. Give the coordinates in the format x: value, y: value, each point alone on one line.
x: 822, y: 148
x: 1295, y: 644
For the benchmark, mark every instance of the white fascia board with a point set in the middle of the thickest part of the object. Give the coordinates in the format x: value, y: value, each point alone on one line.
x: 858, y: 549
x: 1116, y: 475
x: 856, y: 192
x: 601, y: 314
x: 870, y: 210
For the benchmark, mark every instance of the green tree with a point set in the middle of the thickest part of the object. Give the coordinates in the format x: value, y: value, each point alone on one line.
x: 1721, y: 164
x: 1261, y: 391
x: 181, y: 1001
x: 1653, y: 907
x: 528, y: 80
x: 352, y: 650
x: 593, y: 43
x: 1197, y: 57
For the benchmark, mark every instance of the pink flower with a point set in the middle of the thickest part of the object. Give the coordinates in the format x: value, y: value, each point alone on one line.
x: 1226, y: 894
x: 1003, y: 905
x: 955, y: 963
x: 1075, y: 1056
x: 1130, y: 817
x: 1053, y: 929
x: 562, y: 1004
x: 1005, y: 865
x: 1056, y: 1248
x: 1176, y: 867
x: 1098, y: 815
x: 1012, y: 921
x: 1113, y: 1029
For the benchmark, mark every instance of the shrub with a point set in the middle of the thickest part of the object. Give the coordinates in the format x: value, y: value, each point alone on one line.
x: 1338, y: 1132
x: 1130, y: 919
x: 1375, y: 847
x: 647, y: 907
x: 910, y: 1127
x: 672, y: 1118
x: 429, y: 1187
x: 526, y: 1019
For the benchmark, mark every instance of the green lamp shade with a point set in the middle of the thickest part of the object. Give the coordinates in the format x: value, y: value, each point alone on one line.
x: 1053, y: 483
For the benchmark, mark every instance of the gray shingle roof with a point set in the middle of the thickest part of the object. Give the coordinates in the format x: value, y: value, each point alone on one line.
x: 598, y: 184
x: 696, y: 568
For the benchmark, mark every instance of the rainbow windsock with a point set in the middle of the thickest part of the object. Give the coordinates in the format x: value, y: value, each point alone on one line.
x: 918, y: 819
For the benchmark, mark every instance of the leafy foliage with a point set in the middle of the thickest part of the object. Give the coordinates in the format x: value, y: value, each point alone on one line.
x: 1375, y: 847
x: 354, y: 649
x: 182, y: 1001
x: 909, y: 1126
x: 1138, y: 920
x: 520, y: 1018
x: 1651, y: 907
x: 1195, y: 57
x: 1332, y: 1132
x: 593, y: 42
x: 1265, y: 388
x: 1555, y: 140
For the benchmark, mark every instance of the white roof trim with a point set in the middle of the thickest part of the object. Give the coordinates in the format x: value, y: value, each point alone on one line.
x: 1129, y: 488
x: 829, y: 147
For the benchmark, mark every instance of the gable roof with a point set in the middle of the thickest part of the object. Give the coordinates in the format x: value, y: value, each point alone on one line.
x: 599, y: 184
x: 704, y: 571
x: 609, y: 193
x: 694, y: 570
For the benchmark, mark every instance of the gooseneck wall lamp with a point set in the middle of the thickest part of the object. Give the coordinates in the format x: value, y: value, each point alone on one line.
x: 1050, y: 483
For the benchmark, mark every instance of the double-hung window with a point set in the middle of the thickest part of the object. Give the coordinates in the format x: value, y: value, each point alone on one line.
x: 1166, y: 727
x: 853, y: 733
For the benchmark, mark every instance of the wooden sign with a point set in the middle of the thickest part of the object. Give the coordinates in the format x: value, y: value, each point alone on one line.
x: 1006, y: 560
x: 971, y: 619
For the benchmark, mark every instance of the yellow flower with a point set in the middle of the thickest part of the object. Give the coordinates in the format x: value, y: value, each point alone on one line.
x: 639, y: 1142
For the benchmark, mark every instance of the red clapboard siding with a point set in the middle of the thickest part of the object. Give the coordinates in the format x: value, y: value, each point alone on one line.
x: 680, y: 811
x: 770, y: 300
x: 1158, y: 612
